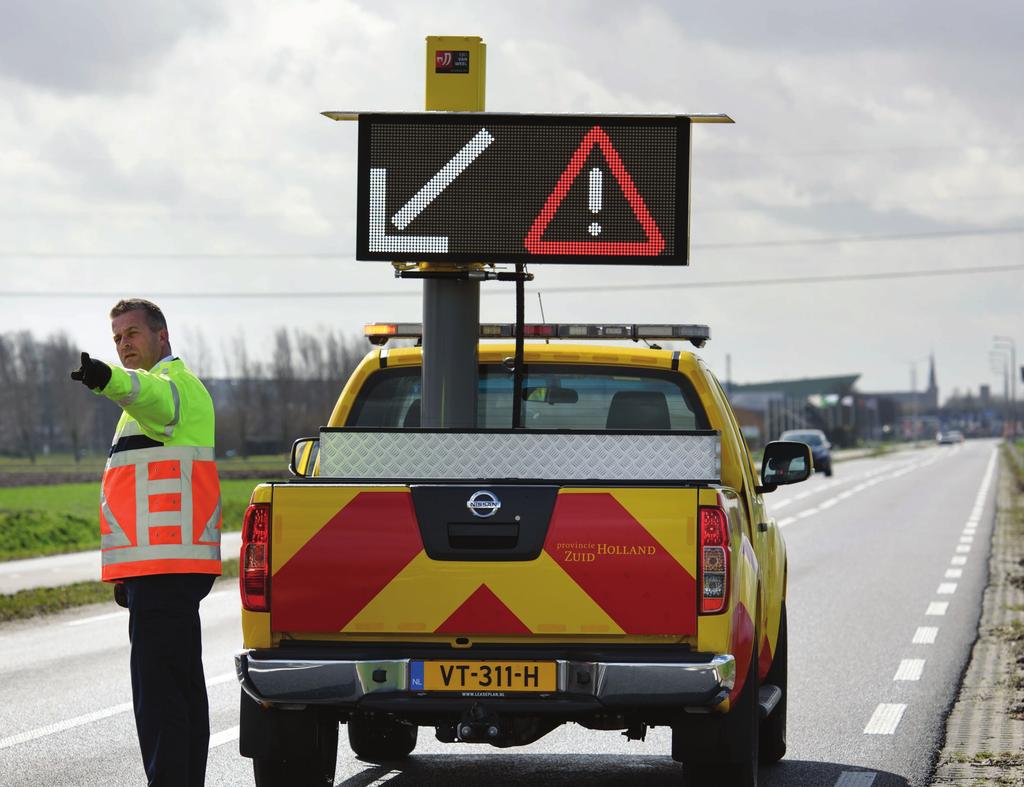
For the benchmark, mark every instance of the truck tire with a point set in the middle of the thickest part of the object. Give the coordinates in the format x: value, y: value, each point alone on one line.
x: 733, y: 763
x: 772, y: 746
x: 315, y: 771
x: 381, y: 740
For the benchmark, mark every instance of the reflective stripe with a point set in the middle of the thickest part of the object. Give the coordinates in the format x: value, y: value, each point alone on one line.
x: 133, y: 394
x: 113, y: 557
x: 143, y: 456
x: 116, y: 537
x: 211, y: 533
x: 169, y: 429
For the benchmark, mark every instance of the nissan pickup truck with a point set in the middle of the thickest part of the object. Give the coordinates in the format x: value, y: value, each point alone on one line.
x: 608, y: 561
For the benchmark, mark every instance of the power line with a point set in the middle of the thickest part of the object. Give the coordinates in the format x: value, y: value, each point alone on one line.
x: 695, y: 285
x: 320, y: 255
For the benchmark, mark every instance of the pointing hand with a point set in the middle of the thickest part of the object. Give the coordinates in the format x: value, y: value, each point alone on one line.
x: 92, y: 373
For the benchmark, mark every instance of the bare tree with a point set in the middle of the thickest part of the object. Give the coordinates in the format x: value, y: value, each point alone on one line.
x: 72, y: 410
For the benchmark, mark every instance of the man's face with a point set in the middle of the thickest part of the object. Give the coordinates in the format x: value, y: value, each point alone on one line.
x: 138, y: 345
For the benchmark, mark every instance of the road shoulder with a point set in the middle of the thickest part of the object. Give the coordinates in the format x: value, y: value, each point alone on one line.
x: 984, y: 741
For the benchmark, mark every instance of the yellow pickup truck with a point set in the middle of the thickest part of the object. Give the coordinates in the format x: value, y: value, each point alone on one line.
x: 608, y: 562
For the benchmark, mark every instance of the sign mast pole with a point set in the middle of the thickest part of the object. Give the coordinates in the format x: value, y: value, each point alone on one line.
x: 455, y: 82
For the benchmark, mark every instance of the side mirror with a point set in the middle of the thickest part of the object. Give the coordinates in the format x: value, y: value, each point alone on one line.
x: 785, y: 462
x: 303, y: 457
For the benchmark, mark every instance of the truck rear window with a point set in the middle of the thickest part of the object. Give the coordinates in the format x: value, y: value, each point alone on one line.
x: 589, y: 398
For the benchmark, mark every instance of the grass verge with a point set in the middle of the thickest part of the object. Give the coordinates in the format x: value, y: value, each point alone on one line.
x: 56, y: 518
x: 46, y: 601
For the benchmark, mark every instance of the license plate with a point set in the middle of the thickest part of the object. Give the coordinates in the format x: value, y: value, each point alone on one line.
x: 483, y: 676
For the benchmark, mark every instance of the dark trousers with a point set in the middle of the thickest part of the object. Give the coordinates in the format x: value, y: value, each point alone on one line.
x: 172, y: 715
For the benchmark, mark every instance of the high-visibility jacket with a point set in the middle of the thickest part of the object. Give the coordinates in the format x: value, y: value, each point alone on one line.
x: 160, y: 509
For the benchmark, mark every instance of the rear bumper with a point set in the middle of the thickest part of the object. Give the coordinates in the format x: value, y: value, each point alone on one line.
x: 697, y: 684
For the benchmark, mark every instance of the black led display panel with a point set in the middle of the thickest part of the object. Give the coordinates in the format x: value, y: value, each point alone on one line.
x: 465, y: 187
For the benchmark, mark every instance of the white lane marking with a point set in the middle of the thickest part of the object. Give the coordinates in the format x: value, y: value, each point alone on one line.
x: 925, y: 635
x: 60, y: 726
x: 885, y: 719
x: 88, y: 718
x: 958, y: 560
x: 443, y: 179
x: 909, y: 669
x: 966, y: 539
x: 970, y: 531
x: 937, y: 608
x: 856, y: 779
x: 224, y: 736
x: 873, y: 478
x: 946, y: 589
x: 954, y: 573
x: 963, y: 549
x: 385, y: 778
x: 97, y: 618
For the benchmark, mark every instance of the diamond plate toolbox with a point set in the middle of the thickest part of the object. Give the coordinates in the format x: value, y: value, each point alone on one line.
x: 401, y: 455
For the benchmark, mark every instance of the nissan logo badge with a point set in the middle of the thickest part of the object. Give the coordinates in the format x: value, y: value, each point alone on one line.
x: 483, y: 503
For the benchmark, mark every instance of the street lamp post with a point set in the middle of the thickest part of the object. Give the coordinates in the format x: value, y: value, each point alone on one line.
x: 1004, y: 343
x: 999, y: 359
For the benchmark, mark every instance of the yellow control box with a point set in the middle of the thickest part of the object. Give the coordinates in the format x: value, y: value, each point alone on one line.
x: 456, y: 72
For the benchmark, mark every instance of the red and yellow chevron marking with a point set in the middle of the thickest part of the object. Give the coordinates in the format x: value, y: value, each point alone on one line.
x: 616, y: 561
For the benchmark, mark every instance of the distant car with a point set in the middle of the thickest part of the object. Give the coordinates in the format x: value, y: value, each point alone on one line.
x: 949, y: 437
x: 821, y: 448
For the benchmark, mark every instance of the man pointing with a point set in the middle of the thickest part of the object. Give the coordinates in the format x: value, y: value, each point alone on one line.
x: 160, y: 534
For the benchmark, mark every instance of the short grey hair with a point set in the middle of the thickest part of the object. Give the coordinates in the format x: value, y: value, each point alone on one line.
x: 154, y: 317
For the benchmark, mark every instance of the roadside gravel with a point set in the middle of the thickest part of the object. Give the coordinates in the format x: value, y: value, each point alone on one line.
x: 985, y: 730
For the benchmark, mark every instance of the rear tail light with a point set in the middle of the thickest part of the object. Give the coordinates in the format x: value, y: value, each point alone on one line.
x: 714, y: 560
x: 254, y: 562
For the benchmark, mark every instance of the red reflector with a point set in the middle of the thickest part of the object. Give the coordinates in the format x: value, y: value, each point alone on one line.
x: 538, y: 330
x: 254, y: 560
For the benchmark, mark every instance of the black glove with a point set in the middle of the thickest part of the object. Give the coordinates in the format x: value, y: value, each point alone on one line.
x: 94, y: 374
x: 120, y: 594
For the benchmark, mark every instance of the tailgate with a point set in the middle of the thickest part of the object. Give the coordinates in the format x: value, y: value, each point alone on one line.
x: 512, y: 559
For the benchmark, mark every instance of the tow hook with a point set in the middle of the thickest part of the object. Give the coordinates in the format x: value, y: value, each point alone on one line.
x: 478, y: 725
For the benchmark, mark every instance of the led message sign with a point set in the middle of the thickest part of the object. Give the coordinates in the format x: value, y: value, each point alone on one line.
x: 468, y: 187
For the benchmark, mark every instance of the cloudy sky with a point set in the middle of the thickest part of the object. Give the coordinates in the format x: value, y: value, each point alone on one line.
x: 175, y: 151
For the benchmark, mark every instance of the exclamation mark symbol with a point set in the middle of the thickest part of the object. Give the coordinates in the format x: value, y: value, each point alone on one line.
x: 595, y: 199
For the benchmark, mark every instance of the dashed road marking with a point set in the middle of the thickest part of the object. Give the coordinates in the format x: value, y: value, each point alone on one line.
x: 856, y: 779
x: 925, y: 635
x: 958, y: 560
x: 937, y: 608
x: 954, y: 573
x: 909, y: 669
x: 966, y: 539
x: 963, y: 549
x: 384, y: 779
x: 88, y: 718
x: 224, y: 736
x: 946, y: 589
x: 885, y: 719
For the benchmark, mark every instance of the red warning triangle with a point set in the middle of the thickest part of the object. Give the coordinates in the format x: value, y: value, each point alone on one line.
x: 654, y: 244
x: 482, y: 613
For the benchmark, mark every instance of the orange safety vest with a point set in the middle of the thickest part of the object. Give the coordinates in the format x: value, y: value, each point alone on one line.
x: 160, y: 506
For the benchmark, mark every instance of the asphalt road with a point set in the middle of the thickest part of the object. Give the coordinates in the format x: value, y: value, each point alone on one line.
x: 888, y: 560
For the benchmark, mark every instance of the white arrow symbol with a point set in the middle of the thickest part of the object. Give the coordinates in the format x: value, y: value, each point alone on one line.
x: 443, y: 179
